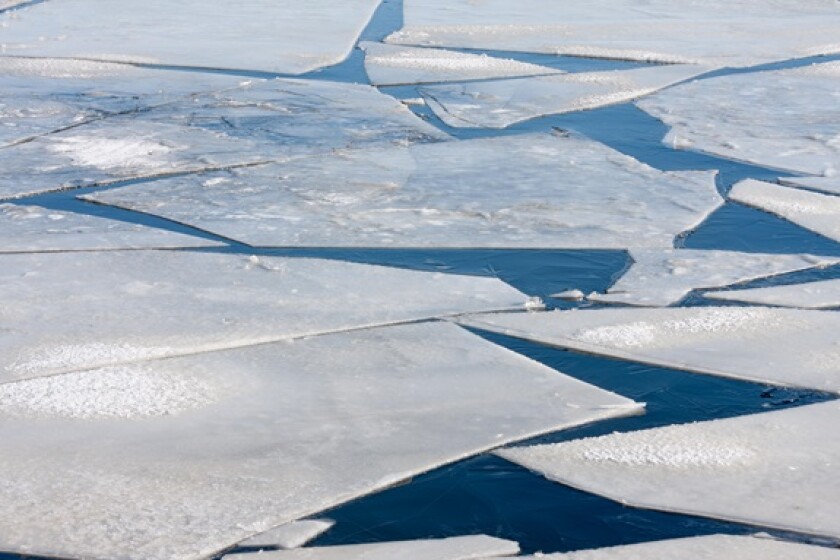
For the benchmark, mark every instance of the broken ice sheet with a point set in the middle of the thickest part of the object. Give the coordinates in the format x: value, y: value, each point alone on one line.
x: 258, y: 35
x: 829, y: 185
x: 810, y: 295
x: 290, y: 535
x: 533, y: 190
x: 452, y: 548
x: 501, y: 103
x: 817, y: 212
x: 787, y: 347
x: 775, y: 469
x: 783, y: 119
x: 260, y: 436
x: 260, y: 121
x: 715, y: 32
x: 33, y: 228
x: 664, y: 277
x: 712, y: 547
x: 117, y: 307
x: 395, y: 65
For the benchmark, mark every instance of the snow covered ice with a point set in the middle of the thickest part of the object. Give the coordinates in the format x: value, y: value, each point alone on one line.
x: 809, y: 295
x: 270, y: 433
x: 290, y: 535
x: 775, y: 469
x: 532, y: 190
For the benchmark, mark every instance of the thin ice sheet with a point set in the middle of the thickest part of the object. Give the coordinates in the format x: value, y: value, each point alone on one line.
x: 828, y: 185
x: 290, y: 535
x: 810, y: 295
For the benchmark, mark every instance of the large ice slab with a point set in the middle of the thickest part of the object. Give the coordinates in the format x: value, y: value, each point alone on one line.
x: 290, y: 535
x: 815, y: 211
x: 767, y: 345
x: 260, y: 121
x: 810, y: 295
x: 715, y: 32
x: 453, y: 548
x: 394, y: 65
x: 118, y: 307
x: 664, y: 277
x: 184, y: 457
x: 257, y: 35
x: 776, y: 469
x: 501, y: 103
x: 784, y: 119
x: 534, y: 190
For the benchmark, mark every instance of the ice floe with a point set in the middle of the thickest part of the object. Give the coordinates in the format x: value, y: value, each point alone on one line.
x: 533, y: 190
x: 257, y: 35
x: 290, y: 535
x: 714, y: 32
x: 274, y: 433
x: 501, y: 103
x: 783, y: 119
x: 395, y: 65
x: 776, y: 469
x: 829, y: 185
x: 810, y: 295
x: 71, y: 311
x: 817, y: 212
x: 767, y: 345
x: 664, y: 277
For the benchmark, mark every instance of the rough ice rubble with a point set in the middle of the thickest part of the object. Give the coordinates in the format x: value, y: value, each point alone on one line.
x: 501, y: 103
x: 783, y: 119
x: 817, y: 212
x: 453, y: 548
x: 810, y: 295
x: 290, y: 535
x: 290, y: 431
x: 776, y: 469
x: 664, y: 277
x: 716, y: 33
x: 829, y: 185
x: 766, y: 345
x: 258, y: 35
x: 533, y: 190
x: 33, y: 228
x: 116, y: 307
x: 395, y: 65
x: 259, y: 121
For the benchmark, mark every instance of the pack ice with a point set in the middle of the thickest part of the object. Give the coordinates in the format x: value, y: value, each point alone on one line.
x: 184, y: 457
x: 715, y: 33
x: 533, y: 190
x: 255, y: 35
x: 766, y: 345
x: 664, y: 277
x: 783, y: 119
x: 119, y: 307
x: 501, y: 103
x: 775, y: 469
x: 810, y: 295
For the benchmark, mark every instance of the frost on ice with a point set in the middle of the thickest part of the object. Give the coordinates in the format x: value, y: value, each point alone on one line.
x: 776, y: 469
x: 257, y: 35
x: 259, y: 121
x: 713, y: 547
x: 290, y: 535
x: 533, y: 190
x: 395, y: 65
x: 810, y: 295
x: 715, y: 32
x: 501, y: 103
x: 664, y: 277
x: 767, y: 345
x: 471, y: 547
x: 278, y: 432
x: 817, y: 212
x: 783, y: 119
x: 118, y: 307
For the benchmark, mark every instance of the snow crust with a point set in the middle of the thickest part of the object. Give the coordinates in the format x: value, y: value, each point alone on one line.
x: 776, y: 469
x: 501, y: 103
x: 767, y: 345
x: 291, y: 535
x: 817, y: 212
x: 532, y: 190
x: 257, y: 35
x: 811, y: 295
x: 784, y: 119
x: 112, y: 308
x: 664, y: 277
x: 292, y: 433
